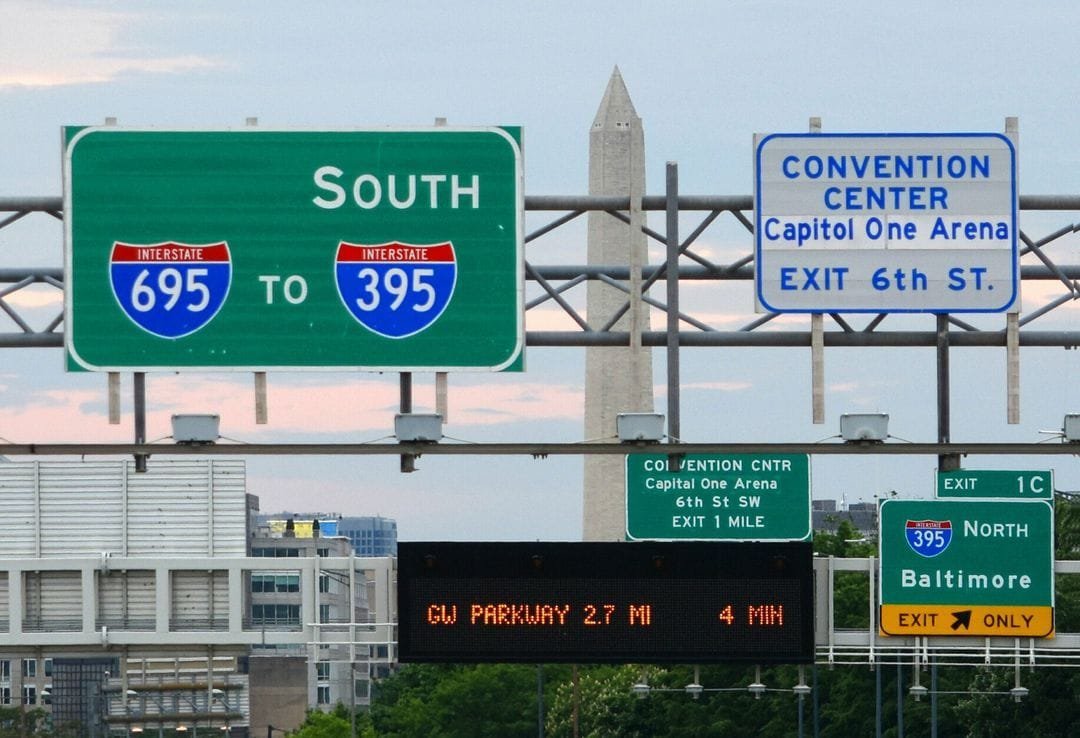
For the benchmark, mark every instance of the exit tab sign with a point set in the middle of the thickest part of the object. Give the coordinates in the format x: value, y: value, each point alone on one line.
x: 1021, y: 485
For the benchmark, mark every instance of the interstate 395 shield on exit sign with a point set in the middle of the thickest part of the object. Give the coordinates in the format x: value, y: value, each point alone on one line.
x: 255, y: 249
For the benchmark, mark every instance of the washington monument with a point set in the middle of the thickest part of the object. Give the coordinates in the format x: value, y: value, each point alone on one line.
x: 617, y: 379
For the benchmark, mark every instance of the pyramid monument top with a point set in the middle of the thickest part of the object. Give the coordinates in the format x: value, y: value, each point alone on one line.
x: 616, y: 109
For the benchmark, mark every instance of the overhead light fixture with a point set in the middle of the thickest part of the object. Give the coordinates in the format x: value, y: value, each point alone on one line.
x: 1070, y: 429
x: 639, y: 427
x: 865, y: 427
x: 418, y: 427
x: 195, y: 430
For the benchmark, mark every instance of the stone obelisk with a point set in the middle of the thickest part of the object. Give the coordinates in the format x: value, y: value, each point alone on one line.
x: 617, y: 379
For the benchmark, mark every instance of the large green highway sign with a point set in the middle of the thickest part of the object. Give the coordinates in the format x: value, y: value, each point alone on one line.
x: 735, y: 497
x: 967, y: 567
x: 257, y: 249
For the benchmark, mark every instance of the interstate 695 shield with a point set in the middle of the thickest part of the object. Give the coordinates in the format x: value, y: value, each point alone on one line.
x: 170, y: 290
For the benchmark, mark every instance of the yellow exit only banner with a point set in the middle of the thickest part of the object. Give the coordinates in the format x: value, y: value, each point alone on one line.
x: 978, y: 620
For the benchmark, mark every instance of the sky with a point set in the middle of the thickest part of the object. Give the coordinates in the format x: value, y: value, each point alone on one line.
x: 704, y: 77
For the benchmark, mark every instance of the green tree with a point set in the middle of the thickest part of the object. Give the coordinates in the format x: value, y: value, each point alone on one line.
x: 851, y: 595
x: 335, y: 724
x: 1067, y: 547
x: 487, y: 700
x: 17, y: 722
x: 1066, y: 528
x: 600, y: 701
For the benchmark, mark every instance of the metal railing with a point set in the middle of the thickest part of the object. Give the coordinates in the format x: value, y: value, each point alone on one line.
x: 868, y: 647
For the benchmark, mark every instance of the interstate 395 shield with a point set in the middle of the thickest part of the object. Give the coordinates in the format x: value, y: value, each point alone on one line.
x: 396, y: 289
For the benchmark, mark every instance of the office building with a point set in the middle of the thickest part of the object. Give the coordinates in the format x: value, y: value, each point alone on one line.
x: 334, y: 670
x: 369, y: 535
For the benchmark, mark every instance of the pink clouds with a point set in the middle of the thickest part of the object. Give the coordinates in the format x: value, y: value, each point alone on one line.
x: 44, y: 45
x: 362, y: 407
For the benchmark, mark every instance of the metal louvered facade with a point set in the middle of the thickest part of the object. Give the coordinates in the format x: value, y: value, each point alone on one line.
x: 175, y: 508
x: 53, y: 601
x: 104, y: 510
x: 126, y: 599
x: 200, y: 600
x: 69, y: 543
x: 152, y: 569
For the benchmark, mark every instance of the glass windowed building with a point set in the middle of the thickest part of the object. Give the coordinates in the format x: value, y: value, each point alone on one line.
x: 369, y: 535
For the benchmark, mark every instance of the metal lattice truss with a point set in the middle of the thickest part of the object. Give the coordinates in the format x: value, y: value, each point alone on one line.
x: 555, y: 282
x: 16, y: 282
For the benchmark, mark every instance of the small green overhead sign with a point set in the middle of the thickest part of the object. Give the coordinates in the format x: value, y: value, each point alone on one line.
x: 1022, y: 485
x: 736, y: 497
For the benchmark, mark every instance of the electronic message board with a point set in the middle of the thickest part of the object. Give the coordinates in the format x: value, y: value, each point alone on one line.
x: 643, y: 602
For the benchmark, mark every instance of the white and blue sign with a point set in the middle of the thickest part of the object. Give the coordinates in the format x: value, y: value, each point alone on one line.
x: 886, y: 222
x: 170, y: 289
x: 928, y: 538
x: 396, y: 289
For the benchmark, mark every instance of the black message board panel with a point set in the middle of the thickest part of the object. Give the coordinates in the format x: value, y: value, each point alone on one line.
x: 681, y: 602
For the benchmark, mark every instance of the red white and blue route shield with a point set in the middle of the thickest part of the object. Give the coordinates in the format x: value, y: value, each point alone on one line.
x: 396, y: 289
x: 928, y: 538
x: 170, y: 289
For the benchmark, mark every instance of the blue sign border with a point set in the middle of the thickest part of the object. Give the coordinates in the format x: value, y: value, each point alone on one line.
x: 1015, y: 277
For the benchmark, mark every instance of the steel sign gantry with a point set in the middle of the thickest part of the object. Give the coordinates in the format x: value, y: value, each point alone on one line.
x: 553, y: 280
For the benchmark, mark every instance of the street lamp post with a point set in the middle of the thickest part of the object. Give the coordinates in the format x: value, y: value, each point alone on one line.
x: 194, y: 714
x: 219, y: 695
x: 160, y: 704
x: 642, y: 690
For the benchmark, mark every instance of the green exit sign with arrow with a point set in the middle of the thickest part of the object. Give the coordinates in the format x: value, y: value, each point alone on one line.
x: 967, y: 567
